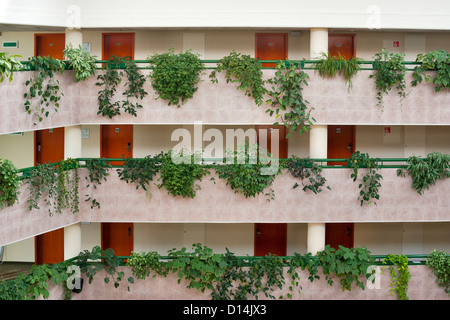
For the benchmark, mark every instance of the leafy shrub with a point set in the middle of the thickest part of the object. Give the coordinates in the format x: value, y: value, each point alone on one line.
x: 83, y: 64
x: 9, y: 183
x: 439, y: 61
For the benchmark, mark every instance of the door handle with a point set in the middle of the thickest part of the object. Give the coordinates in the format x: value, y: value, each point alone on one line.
x: 129, y: 232
x: 39, y: 147
x: 349, y: 147
x: 129, y: 146
x: 258, y: 233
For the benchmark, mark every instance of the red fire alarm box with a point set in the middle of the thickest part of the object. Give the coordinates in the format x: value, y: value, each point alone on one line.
x: 387, y: 129
x: 396, y: 44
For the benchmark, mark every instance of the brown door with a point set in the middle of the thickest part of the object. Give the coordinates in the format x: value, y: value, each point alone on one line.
x: 49, y: 247
x: 270, y: 238
x: 118, y: 236
x: 339, y: 234
x: 117, y: 142
x: 341, y: 143
x: 271, y: 46
x: 49, y: 145
x: 118, y: 44
x: 267, y: 133
x: 50, y: 44
x: 343, y: 44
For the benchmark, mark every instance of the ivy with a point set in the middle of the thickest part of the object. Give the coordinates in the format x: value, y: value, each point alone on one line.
x: 83, y: 64
x: 389, y: 73
x: 331, y: 66
x: 175, y: 75
x: 425, y: 172
x: 48, y: 91
x: 8, y: 64
x: 245, y: 70
x: 9, y: 183
x: 370, y: 183
x: 439, y: 262
x: 286, y: 98
x: 439, y: 61
x: 98, y: 170
x: 309, y: 173
x: 399, y: 272
x: 140, y: 171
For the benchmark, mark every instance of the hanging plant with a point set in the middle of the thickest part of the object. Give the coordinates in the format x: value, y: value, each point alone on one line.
x: 400, y: 275
x: 439, y: 261
x: 370, y: 183
x: 309, y: 173
x: 438, y: 61
x: 330, y: 66
x: 134, y: 88
x: 389, y: 73
x: 8, y: 64
x: 140, y: 171
x: 9, y: 183
x: 175, y: 75
x: 83, y: 64
x: 43, y: 85
x: 246, y: 71
x: 286, y: 98
x: 425, y: 172
x: 98, y: 170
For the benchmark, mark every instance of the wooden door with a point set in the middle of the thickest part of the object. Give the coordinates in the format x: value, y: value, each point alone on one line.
x: 118, y: 236
x: 341, y: 143
x: 267, y: 132
x: 49, y: 145
x: 118, y: 44
x: 49, y: 247
x: 339, y: 234
x: 271, y: 46
x: 343, y: 44
x: 116, y: 142
x: 50, y: 44
x: 270, y: 238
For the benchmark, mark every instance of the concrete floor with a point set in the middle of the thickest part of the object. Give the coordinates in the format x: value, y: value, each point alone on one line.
x: 10, y: 270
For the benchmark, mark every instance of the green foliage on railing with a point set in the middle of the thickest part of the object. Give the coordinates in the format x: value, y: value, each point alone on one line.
x: 438, y: 61
x: 309, y: 173
x: 83, y: 64
x: 97, y: 173
x: 400, y: 275
x: 8, y: 64
x: 439, y: 261
x: 9, y: 183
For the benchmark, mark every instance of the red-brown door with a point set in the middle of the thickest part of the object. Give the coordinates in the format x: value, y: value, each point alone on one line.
x: 49, y: 247
x: 271, y: 46
x: 266, y: 132
x: 339, y: 234
x: 341, y: 143
x: 116, y: 142
x: 270, y: 238
x: 50, y: 44
x: 49, y: 145
x: 118, y: 236
x: 343, y: 44
x: 118, y: 44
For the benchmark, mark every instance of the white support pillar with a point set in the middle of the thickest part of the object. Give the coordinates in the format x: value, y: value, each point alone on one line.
x: 75, y: 37
x: 72, y: 241
x: 316, y: 237
x: 318, y: 42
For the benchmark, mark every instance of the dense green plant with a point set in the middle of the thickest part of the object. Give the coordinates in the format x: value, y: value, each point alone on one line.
x: 309, y: 173
x: 108, y: 105
x: 13, y: 289
x: 98, y: 170
x: 8, y: 64
x: 389, y: 73
x: 347, y: 264
x: 83, y: 64
x: 399, y: 272
x: 57, y: 183
x: 286, y: 99
x: 9, y: 183
x: 329, y: 66
x: 43, y: 85
x: 175, y: 75
x: 425, y: 172
x: 140, y: 171
x: 438, y: 61
x: 180, y: 179
x: 439, y: 261
x: 145, y: 263
x: 244, y: 70
x: 370, y: 183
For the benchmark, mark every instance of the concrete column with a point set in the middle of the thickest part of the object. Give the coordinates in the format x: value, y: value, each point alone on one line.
x: 318, y: 42
x: 75, y: 37
x: 316, y: 237
x: 72, y: 241
x: 72, y: 142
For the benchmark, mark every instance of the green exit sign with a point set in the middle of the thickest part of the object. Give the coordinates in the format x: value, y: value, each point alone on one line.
x: 10, y: 44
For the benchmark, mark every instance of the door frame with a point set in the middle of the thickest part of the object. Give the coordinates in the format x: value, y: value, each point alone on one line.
x: 285, y: 235
x: 286, y: 46
x: 352, y: 236
x: 353, y: 140
x: 35, y: 141
x: 44, y: 34
x: 118, y: 33
x: 101, y: 137
x: 352, y: 35
x: 102, y: 245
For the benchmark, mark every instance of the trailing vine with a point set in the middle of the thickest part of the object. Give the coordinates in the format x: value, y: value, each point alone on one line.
x: 286, y: 98
x: 370, y: 183
x: 9, y: 183
x: 140, y: 171
x: 245, y: 70
x: 330, y: 66
x: 83, y: 64
x: 134, y: 88
x: 175, y: 75
x: 42, y: 85
x: 8, y: 64
x: 399, y: 272
x: 309, y: 171
x: 98, y: 170
x: 425, y: 172
x: 438, y: 61
x: 439, y: 261
x: 389, y: 73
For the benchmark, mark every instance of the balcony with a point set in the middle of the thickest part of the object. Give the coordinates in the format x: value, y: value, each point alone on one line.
x: 224, y: 104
